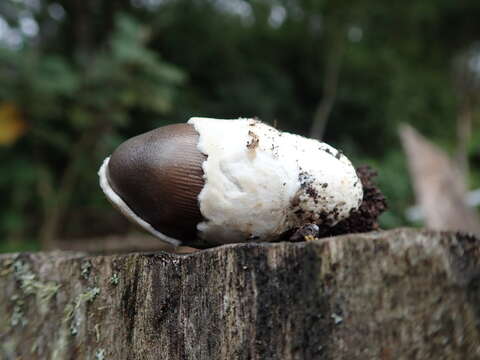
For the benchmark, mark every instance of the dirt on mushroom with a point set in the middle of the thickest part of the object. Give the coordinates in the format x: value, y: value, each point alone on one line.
x: 364, y: 219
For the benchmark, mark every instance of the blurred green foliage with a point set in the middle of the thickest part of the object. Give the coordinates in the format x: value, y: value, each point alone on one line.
x: 85, y: 75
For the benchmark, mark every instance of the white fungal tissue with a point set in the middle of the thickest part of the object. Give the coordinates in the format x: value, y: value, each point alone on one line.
x: 260, y: 182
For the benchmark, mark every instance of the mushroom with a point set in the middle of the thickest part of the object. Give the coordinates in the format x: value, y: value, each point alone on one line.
x: 212, y: 181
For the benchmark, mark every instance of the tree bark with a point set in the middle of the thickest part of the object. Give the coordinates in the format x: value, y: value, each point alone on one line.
x: 403, y: 294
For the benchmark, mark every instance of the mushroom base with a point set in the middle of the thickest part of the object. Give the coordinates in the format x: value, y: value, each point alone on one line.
x: 364, y: 219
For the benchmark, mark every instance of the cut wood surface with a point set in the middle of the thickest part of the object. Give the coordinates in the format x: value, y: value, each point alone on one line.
x: 402, y: 294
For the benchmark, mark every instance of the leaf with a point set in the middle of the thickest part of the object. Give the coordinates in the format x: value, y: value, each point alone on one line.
x: 12, y: 124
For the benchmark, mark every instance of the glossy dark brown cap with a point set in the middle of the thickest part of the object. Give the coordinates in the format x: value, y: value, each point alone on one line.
x: 159, y: 176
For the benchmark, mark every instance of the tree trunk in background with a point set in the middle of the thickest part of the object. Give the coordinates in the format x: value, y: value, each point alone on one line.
x: 59, y: 201
x: 330, y: 84
x: 439, y: 185
x: 467, y: 85
x: 402, y: 294
x: 464, y: 129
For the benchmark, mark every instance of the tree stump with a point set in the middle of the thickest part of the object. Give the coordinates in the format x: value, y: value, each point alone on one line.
x: 402, y: 294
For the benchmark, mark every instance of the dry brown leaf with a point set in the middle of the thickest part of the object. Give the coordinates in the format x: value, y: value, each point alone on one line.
x: 12, y: 124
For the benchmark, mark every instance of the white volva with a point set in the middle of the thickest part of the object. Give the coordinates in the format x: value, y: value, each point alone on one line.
x: 260, y: 182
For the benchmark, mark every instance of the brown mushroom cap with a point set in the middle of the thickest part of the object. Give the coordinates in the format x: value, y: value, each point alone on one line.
x: 159, y: 176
